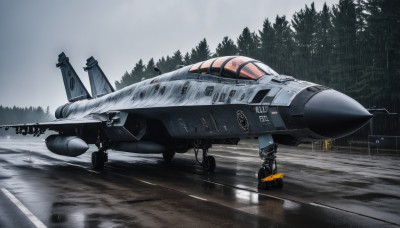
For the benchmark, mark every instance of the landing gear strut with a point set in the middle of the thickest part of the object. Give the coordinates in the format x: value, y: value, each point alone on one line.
x: 100, y: 157
x: 208, y: 162
x: 268, y: 176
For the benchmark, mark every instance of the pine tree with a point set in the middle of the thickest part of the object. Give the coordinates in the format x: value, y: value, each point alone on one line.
x: 161, y: 64
x: 149, y: 72
x: 324, y: 46
x: 248, y: 43
x: 344, y: 35
x: 176, y: 59
x: 382, y: 35
x: 165, y: 64
x: 283, y: 46
x: 226, y: 47
x: 201, y: 52
x: 186, y: 59
x: 122, y: 83
x: 137, y: 73
x: 267, y: 39
x: 305, y: 24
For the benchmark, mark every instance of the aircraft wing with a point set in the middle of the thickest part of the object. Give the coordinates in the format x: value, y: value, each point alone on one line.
x: 56, y: 125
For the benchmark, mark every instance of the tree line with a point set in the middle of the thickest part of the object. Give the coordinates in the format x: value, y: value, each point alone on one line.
x: 352, y: 46
x: 18, y: 115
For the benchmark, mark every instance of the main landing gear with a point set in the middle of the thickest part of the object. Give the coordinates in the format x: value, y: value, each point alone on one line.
x: 268, y: 176
x: 208, y: 161
x: 168, y: 155
x: 100, y: 157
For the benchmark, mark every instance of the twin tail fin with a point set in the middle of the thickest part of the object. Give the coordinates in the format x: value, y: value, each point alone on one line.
x: 98, y: 80
x: 73, y: 85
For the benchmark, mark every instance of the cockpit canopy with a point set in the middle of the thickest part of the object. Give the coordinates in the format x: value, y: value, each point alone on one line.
x: 239, y: 67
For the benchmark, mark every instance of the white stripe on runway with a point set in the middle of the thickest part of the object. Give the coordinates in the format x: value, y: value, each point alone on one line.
x: 24, y: 210
x: 196, y: 197
x: 324, y: 206
x: 146, y: 182
x: 81, y: 166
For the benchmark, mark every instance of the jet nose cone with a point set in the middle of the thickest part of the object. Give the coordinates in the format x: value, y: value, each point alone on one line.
x: 332, y: 114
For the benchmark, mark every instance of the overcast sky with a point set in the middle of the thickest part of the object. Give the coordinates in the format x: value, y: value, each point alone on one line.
x: 117, y: 33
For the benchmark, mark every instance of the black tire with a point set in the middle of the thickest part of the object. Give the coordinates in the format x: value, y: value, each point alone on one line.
x: 279, y: 183
x: 98, y: 160
x: 94, y: 158
x: 262, y: 185
x: 168, y: 156
x: 262, y: 173
x: 105, y: 157
x: 209, y: 164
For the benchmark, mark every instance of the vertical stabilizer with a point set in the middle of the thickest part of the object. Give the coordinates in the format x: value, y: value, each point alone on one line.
x: 73, y: 85
x: 98, y: 80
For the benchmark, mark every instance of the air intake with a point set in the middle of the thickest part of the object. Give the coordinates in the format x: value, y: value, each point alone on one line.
x: 260, y: 96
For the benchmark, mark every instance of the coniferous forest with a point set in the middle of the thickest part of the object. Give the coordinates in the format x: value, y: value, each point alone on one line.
x: 352, y: 46
x: 17, y: 115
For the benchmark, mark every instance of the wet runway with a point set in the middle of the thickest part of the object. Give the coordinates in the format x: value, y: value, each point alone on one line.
x: 322, y: 189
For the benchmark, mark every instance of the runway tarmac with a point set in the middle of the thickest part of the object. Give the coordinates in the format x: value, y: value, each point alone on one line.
x: 322, y: 189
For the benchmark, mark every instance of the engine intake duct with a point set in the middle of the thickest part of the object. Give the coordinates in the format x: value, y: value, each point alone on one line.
x: 260, y: 96
x: 123, y: 127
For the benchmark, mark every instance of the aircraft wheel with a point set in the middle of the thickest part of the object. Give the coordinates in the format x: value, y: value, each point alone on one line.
x: 209, y: 164
x: 168, y: 156
x: 94, y: 158
x: 262, y: 173
x: 279, y: 183
x: 98, y: 160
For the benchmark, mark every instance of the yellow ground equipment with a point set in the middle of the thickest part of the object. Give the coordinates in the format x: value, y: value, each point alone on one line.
x: 272, y: 177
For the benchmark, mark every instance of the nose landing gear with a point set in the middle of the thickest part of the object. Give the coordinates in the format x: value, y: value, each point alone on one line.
x: 268, y: 176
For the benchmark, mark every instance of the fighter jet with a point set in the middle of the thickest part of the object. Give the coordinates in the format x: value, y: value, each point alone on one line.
x: 218, y: 101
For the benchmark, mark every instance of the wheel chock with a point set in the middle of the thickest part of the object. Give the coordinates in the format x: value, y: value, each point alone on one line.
x: 272, y: 177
